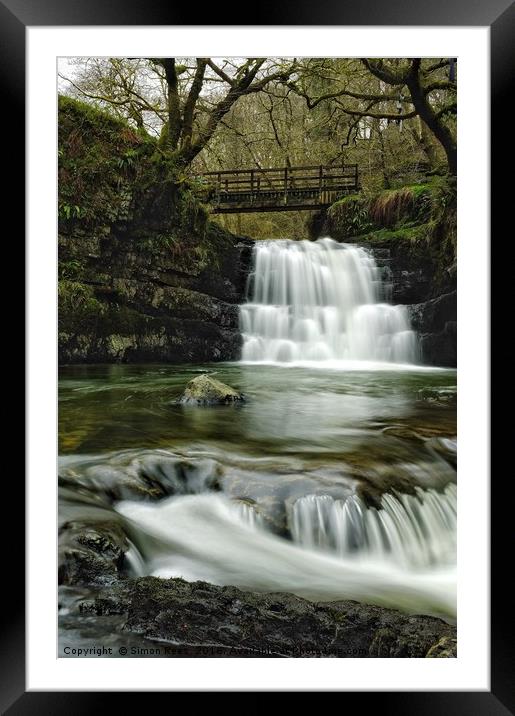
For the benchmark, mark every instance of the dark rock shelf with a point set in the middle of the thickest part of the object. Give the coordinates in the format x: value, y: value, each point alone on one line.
x: 196, y: 615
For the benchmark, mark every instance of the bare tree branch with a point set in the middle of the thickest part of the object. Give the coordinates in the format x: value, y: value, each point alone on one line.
x: 225, y: 77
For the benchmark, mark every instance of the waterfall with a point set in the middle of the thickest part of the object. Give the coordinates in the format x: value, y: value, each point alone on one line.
x: 409, y: 530
x: 248, y: 514
x: 135, y: 561
x: 319, y: 301
x: 202, y: 537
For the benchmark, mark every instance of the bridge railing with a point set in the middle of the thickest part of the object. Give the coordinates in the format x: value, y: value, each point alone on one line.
x: 281, y: 187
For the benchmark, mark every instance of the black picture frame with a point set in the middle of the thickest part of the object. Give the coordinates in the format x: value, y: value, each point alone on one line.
x: 15, y: 17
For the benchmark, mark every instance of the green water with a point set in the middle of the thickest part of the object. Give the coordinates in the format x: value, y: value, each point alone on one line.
x: 377, y: 425
x: 110, y: 407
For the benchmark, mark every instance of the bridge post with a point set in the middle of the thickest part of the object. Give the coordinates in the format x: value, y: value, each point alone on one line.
x: 218, y: 187
x: 285, y: 185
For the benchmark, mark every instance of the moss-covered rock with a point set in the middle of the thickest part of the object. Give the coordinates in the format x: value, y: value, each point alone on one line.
x: 358, y: 214
x: 206, y: 390
x: 143, y: 274
x: 278, y: 624
x: 100, y: 159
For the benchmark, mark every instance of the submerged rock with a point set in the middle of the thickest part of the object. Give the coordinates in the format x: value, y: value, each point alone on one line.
x: 446, y: 448
x: 399, y: 431
x: 138, y: 476
x: 206, y: 390
x: 442, y: 396
x: 279, y: 624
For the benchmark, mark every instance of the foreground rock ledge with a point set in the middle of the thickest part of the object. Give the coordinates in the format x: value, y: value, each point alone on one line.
x: 206, y: 390
x: 201, y: 614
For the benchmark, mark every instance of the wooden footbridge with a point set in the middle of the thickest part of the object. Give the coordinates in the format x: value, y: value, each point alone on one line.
x: 277, y: 189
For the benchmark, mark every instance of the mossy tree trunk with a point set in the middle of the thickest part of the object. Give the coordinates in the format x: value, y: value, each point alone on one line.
x: 429, y: 117
x: 425, y: 139
x: 180, y: 139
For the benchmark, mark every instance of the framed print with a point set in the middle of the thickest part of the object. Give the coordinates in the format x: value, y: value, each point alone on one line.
x: 246, y: 382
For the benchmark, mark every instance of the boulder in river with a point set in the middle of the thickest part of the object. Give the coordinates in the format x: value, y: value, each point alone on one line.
x: 206, y: 390
x: 91, y: 552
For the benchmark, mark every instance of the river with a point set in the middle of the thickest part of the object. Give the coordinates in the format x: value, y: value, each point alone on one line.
x: 336, y: 478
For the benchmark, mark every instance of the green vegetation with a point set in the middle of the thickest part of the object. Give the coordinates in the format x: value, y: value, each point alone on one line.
x: 78, y: 300
x: 99, y: 156
x: 419, y: 218
x: 395, y: 209
x: 350, y: 215
x: 396, y: 205
x: 110, y: 172
x: 395, y: 118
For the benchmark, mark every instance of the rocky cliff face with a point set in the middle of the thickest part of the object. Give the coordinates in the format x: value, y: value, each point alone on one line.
x: 412, y: 235
x: 143, y: 274
x: 435, y: 321
x: 140, y: 305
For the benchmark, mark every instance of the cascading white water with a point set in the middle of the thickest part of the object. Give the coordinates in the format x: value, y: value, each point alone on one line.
x: 409, y: 530
x: 204, y: 537
x: 320, y: 301
x: 135, y: 561
x: 248, y: 514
